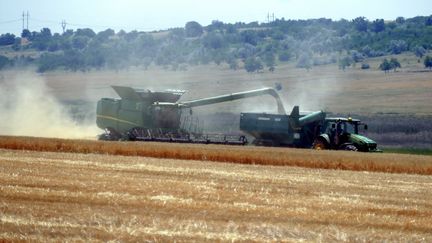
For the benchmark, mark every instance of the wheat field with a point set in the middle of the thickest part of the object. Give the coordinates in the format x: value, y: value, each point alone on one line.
x: 342, y: 160
x: 65, y: 196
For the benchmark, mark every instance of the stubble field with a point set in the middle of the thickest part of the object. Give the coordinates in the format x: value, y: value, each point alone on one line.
x: 101, y: 197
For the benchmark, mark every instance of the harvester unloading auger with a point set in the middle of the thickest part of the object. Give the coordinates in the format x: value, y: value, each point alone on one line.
x: 144, y: 115
x: 147, y: 115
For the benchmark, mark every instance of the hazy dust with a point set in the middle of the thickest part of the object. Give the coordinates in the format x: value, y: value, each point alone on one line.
x: 28, y: 108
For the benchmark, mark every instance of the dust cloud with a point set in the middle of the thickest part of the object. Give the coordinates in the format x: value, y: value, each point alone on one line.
x: 27, y: 108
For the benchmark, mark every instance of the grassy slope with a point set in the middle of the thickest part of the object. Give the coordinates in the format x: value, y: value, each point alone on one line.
x: 324, y: 87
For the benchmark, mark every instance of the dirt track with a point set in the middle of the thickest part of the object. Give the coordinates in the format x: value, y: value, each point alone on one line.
x: 65, y: 196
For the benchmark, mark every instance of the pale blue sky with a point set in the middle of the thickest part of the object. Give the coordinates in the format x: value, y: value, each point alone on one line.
x: 162, y: 14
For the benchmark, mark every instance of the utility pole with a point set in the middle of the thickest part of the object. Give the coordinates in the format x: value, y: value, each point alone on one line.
x: 270, y: 18
x: 25, y: 17
x: 63, y: 25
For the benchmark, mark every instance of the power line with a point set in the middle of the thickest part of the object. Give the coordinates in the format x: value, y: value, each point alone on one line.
x: 10, y: 21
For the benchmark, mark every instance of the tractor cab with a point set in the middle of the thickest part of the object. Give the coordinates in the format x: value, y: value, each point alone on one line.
x: 343, y: 134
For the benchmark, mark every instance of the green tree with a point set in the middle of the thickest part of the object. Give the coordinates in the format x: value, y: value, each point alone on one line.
x: 378, y: 25
x: 85, y: 32
x: 305, y: 61
x: 398, y: 46
x: 400, y: 20
x: 193, y: 29
x: 345, y: 62
x: 7, y: 39
x: 385, y: 66
x: 214, y: 40
x: 26, y: 34
x: 232, y: 62
x: 4, y: 61
x: 428, y: 62
x: 284, y: 56
x: 394, y: 63
x: 270, y: 60
x: 105, y: 35
x: 80, y: 42
x: 360, y: 24
x: 253, y: 64
x: 419, y: 51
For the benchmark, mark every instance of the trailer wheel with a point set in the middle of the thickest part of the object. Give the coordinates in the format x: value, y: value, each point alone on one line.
x: 319, y: 144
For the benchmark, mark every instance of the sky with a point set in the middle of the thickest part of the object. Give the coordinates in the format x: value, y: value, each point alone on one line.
x: 152, y: 15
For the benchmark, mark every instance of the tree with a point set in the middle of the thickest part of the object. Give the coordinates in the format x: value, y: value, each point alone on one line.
x: 269, y: 59
x: 305, y: 61
x: 105, y: 35
x: 216, y: 25
x: 345, y: 62
x: 394, y: 63
x: 250, y: 37
x: 3, y: 61
x: 378, y: 25
x: 385, y: 66
x: 419, y: 51
x: 360, y: 24
x: 214, y: 40
x: 26, y: 34
x: 80, y: 42
x: 232, y: 61
x: 400, y: 20
x: 428, y: 21
x: 398, y: 46
x: 45, y: 33
x: 85, y: 32
x: 253, y: 64
x: 357, y: 56
x: 428, y: 62
x: 193, y: 29
x: 7, y: 39
x: 284, y: 56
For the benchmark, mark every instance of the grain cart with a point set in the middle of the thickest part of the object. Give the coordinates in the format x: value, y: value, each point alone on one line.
x: 148, y: 115
x: 311, y: 130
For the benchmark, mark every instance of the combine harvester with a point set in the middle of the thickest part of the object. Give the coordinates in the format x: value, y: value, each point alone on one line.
x: 145, y: 115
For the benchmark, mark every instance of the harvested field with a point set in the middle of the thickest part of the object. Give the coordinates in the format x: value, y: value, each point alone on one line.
x: 47, y: 196
x: 391, y: 163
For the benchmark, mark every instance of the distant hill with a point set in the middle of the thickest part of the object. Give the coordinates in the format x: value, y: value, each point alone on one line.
x: 251, y: 46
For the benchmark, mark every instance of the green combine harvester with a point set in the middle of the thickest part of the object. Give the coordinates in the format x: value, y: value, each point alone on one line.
x: 145, y: 115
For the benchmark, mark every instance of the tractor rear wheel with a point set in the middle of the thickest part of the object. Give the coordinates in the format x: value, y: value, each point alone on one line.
x: 319, y: 144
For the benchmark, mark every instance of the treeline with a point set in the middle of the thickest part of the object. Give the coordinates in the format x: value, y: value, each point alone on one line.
x: 251, y: 46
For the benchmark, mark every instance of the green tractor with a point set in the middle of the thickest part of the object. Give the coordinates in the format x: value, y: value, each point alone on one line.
x: 310, y: 130
x: 343, y: 134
